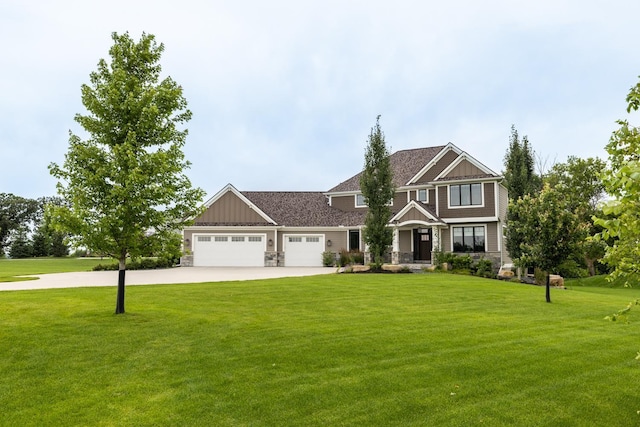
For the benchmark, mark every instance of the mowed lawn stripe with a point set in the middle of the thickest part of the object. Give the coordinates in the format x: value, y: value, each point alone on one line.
x: 430, y: 349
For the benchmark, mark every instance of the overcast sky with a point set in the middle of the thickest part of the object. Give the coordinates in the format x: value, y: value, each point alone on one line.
x: 284, y: 93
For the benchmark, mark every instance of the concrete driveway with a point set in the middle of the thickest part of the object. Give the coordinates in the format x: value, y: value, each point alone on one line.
x: 158, y: 277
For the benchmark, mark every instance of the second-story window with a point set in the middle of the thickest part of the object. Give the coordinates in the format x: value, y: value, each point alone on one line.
x: 465, y: 195
x: 360, y: 201
x: 422, y: 195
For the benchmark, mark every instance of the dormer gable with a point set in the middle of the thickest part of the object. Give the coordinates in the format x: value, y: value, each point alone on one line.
x: 465, y: 166
x: 229, y: 206
x: 438, y: 163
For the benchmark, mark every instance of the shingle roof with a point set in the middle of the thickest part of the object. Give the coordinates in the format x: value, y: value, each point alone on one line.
x: 405, y: 165
x: 302, y: 209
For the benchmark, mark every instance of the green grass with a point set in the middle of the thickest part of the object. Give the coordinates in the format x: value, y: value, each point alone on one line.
x: 392, y: 350
x: 10, y: 268
x: 600, y: 282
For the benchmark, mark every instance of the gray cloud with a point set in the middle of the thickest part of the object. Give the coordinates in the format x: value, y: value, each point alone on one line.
x: 284, y: 93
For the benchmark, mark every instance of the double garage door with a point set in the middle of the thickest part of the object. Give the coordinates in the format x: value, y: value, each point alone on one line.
x: 238, y: 250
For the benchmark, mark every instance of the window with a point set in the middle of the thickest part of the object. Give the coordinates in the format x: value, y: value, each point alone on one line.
x: 468, y: 239
x: 360, y: 203
x: 465, y: 195
x: 255, y: 238
x: 204, y: 238
x: 295, y: 239
x: 221, y: 239
x: 422, y: 195
x: 237, y: 238
x: 313, y: 239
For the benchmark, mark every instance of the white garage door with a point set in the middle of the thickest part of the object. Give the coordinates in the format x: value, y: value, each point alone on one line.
x: 229, y: 250
x: 303, y: 251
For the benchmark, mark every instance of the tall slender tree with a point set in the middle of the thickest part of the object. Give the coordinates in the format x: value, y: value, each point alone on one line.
x: 519, y: 174
x: 376, y: 185
x: 125, y: 183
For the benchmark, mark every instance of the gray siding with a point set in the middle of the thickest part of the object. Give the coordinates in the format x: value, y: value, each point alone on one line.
x: 435, y: 170
x: 405, y: 240
x: 229, y: 209
x: 465, y: 168
x: 488, y: 210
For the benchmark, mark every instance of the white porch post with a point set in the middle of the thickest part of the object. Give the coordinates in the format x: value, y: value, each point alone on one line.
x: 395, y: 252
x: 435, y: 239
x: 396, y: 240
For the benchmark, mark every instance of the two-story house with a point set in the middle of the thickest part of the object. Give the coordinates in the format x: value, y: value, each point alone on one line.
x: 445, y: 200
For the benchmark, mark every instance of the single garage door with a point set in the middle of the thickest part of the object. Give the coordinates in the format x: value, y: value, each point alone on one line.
x: 229, y: 250
x: 303, y: 251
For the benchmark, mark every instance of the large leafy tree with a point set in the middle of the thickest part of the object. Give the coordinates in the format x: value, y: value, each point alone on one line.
x: 125, y: 183
x: 16, y: 215
x: 621, y: 215
x: 547, y: 230
x: 376, y: 185
x: 585, y: 191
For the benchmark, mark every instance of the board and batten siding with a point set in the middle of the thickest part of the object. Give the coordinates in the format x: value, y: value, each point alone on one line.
x: 465, y: 168
x: 436, y: 169
x: 229, y: 209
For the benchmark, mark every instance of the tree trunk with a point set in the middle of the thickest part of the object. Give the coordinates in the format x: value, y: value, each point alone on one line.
x: 591, y: 266
x: 548, y: 287
x: 120, y: 297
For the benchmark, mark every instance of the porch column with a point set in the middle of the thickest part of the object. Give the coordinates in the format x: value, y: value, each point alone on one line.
x: 395, y: 252
x: 435, y: 238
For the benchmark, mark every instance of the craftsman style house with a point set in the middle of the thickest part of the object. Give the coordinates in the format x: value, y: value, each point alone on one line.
x: 445, y: 200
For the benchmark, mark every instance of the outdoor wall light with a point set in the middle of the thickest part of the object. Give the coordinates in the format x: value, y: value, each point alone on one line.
x: 329, y: 243
x: 187, y: 242
x: 270, y: 242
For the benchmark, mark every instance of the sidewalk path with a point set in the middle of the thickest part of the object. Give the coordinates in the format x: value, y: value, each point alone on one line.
x: 158, y: 277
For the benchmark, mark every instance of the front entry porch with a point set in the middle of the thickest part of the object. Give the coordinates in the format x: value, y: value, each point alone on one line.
x: 414, y: 244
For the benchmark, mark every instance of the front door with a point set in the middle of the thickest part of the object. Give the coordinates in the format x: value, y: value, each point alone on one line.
x: 423, y: 244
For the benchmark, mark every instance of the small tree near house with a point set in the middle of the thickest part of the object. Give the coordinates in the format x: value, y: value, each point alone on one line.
x: 376, y: 185
x: 547, y: 230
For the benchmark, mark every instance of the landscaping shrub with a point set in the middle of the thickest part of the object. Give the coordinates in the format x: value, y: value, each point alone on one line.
x: 344, y: 258
x: 571, y: 268
x: 357, y: 257
x: 484, y: 268
x: 461, y: 262
x: 328, y: 259
x: 141, y: 264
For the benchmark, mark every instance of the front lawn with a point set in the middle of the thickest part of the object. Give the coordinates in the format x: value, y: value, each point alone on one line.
x: 410, y: 349
x: 10, y: 268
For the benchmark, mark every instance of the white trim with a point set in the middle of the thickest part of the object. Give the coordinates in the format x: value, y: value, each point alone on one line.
x: 248, y: 202
x: 436, y: 159
x: 471, y: 220
x: 486, y: 238
x: 462, y: 157
x: 421, y: 209
x: 426, y: 190
x: 496, y: 197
